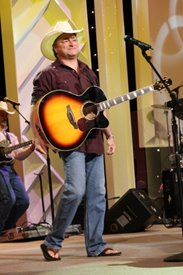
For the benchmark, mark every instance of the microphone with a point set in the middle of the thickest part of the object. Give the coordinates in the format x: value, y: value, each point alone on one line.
x: 6, y: 99
x: 139, y: 43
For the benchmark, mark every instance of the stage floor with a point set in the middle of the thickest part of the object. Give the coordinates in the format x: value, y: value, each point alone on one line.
x: 142, y: 253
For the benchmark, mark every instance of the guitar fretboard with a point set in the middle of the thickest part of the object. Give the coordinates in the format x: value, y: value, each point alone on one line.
x: 14, y: 147
x: 111, y: 102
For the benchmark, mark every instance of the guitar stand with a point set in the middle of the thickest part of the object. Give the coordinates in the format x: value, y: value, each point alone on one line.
x: 14, y: 107
x: 175, y: 105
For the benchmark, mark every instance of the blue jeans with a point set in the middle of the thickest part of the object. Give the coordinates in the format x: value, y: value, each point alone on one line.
x: 13, y: 198
x: 84, y: 178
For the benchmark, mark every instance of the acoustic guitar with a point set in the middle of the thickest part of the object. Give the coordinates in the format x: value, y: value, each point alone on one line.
x: 63, y: 120
x: 4, y: 151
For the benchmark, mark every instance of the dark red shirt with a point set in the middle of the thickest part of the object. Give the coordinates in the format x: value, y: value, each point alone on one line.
x: 59, y: 76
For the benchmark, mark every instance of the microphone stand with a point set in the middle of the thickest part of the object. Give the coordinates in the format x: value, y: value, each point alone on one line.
x: 14, y: 107
x: 173, y: 104
x: 50, y: 183
x: 48, y: 165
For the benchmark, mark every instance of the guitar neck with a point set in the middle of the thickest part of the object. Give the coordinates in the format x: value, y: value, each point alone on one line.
x: 8, y: 150
x: 111, y: 102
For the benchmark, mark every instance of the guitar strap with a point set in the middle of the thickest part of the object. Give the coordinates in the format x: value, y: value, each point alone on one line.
x: 86, y: 72
x: 8, y: 137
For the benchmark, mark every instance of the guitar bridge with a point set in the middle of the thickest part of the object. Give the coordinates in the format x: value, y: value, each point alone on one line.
x: 71, y: 117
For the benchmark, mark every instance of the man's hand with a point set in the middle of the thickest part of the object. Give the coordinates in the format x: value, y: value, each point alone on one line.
x: 40, y: 146
x: 110, y: 145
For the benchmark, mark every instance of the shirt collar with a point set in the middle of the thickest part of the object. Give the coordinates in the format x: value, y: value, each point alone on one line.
x: 58, y: 63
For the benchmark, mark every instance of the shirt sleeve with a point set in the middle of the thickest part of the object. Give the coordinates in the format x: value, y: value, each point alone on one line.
x: 42, y: 84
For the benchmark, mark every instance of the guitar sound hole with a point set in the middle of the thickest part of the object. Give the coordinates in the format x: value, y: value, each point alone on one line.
x: 90, y: 110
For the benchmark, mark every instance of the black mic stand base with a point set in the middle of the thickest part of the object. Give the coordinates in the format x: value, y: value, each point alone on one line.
x: 175, y: 258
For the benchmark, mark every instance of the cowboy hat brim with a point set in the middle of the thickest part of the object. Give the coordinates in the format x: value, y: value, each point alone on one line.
x: 4, y: 108
x: 8, y: 112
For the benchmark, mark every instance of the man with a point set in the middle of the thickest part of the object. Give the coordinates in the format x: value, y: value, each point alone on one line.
x: 13, y: 197
x: 83, y: 165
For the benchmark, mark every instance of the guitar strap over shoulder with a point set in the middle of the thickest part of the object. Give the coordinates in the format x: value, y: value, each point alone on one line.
x: 86, y: 72
x: 8, y: 137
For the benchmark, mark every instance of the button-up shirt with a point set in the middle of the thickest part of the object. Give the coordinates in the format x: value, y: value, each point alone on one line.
x: 58, y: 76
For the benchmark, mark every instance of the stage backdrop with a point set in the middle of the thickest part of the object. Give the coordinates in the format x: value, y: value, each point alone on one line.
x: 24, y: 24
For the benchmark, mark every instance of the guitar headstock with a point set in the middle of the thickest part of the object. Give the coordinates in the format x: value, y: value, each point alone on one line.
x: 159, y: 85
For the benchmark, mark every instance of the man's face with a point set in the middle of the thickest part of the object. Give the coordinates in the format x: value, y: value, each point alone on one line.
x: 3, y: 118
x: 66, y: 46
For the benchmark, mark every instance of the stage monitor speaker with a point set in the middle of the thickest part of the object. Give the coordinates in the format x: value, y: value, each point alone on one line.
x: 133, y: 212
